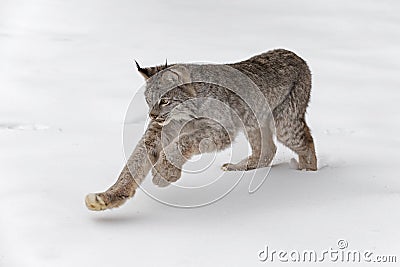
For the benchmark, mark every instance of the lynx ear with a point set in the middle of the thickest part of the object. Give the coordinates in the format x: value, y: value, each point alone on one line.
x: 144, y: 71
x: 148, y: 72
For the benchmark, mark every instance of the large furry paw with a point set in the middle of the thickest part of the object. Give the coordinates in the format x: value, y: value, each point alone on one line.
x: 308, y: 163
x: 159, y: 180
x: 234, y: 167
x: 100, y: 201
x: 165, y: 173
x: 95, y: 202
x: 248, y: 164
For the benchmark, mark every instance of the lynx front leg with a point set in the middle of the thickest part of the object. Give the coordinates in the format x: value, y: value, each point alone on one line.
x: 124, y: 188
x: 263, y: 151
x: 169, y: 165
x: 134, y: 172
x: 166, y: 169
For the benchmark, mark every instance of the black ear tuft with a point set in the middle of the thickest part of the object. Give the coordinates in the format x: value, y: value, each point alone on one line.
x: 144, y: 71
x: 138, y: 66
x: 150, y: 71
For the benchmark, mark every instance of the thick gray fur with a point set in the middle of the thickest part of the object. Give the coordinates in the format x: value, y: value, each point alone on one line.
x: 179, y: 128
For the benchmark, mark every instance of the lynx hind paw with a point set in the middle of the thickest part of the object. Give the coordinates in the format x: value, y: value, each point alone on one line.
x: 233, y: 167
x: 95, y: 202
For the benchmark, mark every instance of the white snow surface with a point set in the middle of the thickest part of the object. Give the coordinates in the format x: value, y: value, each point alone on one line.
x: 66, y: 80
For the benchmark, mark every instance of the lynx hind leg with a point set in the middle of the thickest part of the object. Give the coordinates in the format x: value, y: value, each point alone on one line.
x: 296, y: 135
x: 263, y: 151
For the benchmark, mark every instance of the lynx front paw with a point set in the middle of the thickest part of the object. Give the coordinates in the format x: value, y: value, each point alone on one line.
x: 159, y: 180
x: 102, y: 201
x: 95, y: 202
x: 165, y: 173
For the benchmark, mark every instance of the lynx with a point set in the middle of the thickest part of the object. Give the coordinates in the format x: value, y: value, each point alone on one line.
x: 178, y: 129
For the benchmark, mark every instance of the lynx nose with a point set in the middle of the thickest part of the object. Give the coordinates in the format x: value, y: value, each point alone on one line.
x: 153, y: 116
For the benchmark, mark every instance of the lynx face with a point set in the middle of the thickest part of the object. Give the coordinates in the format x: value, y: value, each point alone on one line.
x: 163, y: 110
x: 168, y: 94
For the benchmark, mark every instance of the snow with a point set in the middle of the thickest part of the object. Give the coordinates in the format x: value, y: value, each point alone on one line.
x: 67, y: 77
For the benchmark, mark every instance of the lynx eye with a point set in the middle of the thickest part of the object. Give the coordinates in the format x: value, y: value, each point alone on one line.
x: 164, y: 102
